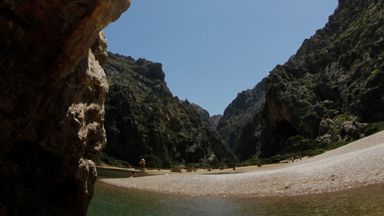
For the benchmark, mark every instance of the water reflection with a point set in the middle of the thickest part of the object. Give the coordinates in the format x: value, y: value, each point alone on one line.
x: 110, y: 200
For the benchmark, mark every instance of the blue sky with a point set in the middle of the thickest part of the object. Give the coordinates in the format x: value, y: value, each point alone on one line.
x: 213, y: 49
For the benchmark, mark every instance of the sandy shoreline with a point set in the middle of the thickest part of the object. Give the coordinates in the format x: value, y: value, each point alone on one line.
x: 358, y: 164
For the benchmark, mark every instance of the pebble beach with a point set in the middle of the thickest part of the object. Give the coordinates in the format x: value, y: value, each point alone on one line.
x: 357, y: 164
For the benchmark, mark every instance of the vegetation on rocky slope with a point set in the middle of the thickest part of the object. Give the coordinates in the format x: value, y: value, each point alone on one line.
x: 144, y: 120
x: 329, y: 93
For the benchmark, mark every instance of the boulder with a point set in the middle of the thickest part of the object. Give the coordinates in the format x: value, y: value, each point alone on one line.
x: 325, y: 126
x: 352, y: 130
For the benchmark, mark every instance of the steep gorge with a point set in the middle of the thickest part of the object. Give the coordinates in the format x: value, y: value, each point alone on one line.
x: 241, y: 118
x: 144, y: 120
x: 52, y: 103
x: 53, y: 92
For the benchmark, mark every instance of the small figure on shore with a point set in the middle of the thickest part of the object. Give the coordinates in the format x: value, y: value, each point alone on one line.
x: 142, y: 165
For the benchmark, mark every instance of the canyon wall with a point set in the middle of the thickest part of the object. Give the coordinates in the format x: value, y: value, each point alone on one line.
x: 332, y: 87
x: 241, y: 118
x: 329, y: 93
x: 144, y: 120
x: 52, y: 103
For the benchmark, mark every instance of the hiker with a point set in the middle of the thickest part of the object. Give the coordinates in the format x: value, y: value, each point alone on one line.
x: 142, y: 165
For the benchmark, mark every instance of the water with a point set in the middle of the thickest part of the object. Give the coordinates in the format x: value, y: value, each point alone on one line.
x: 108, y: 173
x: 110, y: 200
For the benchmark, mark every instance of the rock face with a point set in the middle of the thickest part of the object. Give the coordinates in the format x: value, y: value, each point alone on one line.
x: 323, y: 93
x: 336, y: 75
x: 52, y: 103
x: 144, y: 120
x: 241, y: 119
x: 215, y: 119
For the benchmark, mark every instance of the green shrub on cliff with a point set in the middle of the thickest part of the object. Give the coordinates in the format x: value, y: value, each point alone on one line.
x: 330, y: 92
x: 144, y: 120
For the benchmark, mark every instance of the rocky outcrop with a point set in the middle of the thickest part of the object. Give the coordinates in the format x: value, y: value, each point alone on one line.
x: 326, y: 90
x: 211, y: 121
x: 329, y: 79
x: 144, y: 119
x: 52, y: 95
x: 241, y: 119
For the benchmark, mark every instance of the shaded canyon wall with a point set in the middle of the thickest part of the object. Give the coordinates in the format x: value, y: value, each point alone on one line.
x: 144, y: 120
x: 52, y: 103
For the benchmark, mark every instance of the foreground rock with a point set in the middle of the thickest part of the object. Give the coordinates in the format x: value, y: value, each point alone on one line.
x: 52, y: 95
x: 354, y: 165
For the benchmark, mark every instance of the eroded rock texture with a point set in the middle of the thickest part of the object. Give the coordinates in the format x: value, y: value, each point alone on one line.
x: 52, y: 103
x: 144, y: 119
x: 241, y: 118
x: 335, y: 77
x: 329, y: 93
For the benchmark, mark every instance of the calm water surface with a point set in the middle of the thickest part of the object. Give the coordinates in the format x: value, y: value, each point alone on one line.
x: 111, y: 200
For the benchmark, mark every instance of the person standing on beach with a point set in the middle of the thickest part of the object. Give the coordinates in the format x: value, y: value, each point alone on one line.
x: 142, y: 165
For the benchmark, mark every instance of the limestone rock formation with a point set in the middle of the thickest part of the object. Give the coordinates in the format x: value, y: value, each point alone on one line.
x: 330, y: 77
x: 327, y: 89
x: 52, y: 103
x: 144, y: 120
x: 240, y: 122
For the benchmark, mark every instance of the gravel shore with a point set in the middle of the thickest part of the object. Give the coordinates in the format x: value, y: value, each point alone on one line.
x: 357, y: 164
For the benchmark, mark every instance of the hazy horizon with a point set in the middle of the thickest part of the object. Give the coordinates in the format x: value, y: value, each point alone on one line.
x: 212, y: 50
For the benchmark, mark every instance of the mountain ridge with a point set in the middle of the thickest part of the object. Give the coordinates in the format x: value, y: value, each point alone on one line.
x: 329, y: 93
x: 144, y: 119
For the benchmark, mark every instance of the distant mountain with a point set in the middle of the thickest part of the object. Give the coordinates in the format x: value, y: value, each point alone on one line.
x: 210, y: 121
x: 215, y: 119
x: 329, y: 93
x: 144, y: 120
x: 239, y: 116
x: 204, y: 114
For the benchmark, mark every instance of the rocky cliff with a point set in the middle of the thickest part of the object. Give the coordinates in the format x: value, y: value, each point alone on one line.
x: 52, y: 95
x: 241, y: 118
x: 215, y: 119
x: 331, y: 91
x: 144, y: 119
